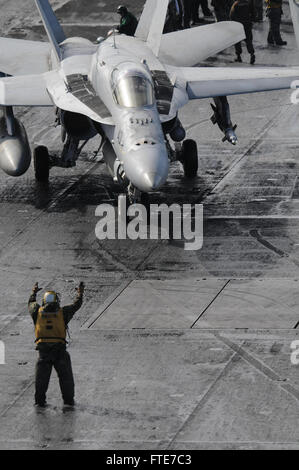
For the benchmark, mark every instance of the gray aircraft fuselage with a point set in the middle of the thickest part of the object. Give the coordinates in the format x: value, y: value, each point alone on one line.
x: 134, y: 128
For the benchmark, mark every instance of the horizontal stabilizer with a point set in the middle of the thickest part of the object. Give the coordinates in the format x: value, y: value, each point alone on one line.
x: 52, y: 26
x: 208, y: 82
x: 19, y: 57
x: 74, y: 93
x: 28, y: 90
x: 190, y: 46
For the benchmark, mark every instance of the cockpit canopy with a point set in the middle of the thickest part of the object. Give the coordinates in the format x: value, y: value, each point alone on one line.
x: 132, y: 88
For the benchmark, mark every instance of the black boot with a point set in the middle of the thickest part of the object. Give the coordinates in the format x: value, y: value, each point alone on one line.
x: 281, y: 43
x: 270, y: 39
x: 252, y: 59
x: 42, y: 404
x: 198, y: 21
x: 238, y: 58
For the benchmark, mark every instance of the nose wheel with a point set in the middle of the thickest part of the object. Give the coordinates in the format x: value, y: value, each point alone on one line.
x: 137, y: 197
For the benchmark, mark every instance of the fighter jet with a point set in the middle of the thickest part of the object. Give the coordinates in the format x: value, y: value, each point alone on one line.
x: 128, y: 90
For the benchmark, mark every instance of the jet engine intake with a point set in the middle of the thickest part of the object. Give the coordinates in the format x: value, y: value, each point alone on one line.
x: 78, y: 125
x: 175, y: 129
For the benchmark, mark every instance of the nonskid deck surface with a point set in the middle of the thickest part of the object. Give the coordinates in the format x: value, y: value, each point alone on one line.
x: 172, y: 349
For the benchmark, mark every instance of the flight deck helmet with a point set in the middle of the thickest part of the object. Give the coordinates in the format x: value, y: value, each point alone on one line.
x: 122, y: 10
x: 50, y: 297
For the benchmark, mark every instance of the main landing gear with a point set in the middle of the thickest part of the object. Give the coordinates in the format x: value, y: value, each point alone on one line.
x: 186, y: 153
x: 189, y: 158
x: 43, y: 161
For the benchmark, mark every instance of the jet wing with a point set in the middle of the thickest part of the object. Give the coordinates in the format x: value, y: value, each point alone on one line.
x: 28, y: 90
x: 190, y: 46
x: 19, y: 57
x: 73, y: 93
x: 206, y: 82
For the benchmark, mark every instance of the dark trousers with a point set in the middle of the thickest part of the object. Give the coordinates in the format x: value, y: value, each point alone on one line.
x: 258, y: 7
x: 195, y: 8
x: 274, y: 15
x: 187, y: 12
x: 248, y: 40
x: 179, y: 20
x: 54, y: 355
x: 221, y: 14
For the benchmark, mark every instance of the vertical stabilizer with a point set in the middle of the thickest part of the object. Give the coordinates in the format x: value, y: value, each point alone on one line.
x: 144, y: 23
x: 151, y: 23
x: 53, y: 28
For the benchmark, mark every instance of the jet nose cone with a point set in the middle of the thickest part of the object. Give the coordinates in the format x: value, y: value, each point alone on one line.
x: 153, y: 180
x: 147, y: 168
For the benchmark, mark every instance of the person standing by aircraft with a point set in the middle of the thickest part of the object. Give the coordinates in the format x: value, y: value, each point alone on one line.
x: 220, y: 9
x: 128, y: 22
x: 274, y: 13
x: 258, y: 6
x: 50, y: 321
x: 187, y: 12
x: 205, y: 9
x: 174, y: 16
x: 242, y: 11
x: 180, y: 13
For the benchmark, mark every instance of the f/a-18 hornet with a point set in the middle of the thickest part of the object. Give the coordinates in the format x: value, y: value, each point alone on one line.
x: 126, y: 89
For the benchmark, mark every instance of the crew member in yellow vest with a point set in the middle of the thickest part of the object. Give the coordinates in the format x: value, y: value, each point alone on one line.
x: 51, y: 322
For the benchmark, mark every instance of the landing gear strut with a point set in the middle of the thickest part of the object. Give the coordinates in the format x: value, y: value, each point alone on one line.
x: 43, y: 161
x: 184, y: 152
x: 137, y: 197
x: 70, y: 152
x: 187, y: 154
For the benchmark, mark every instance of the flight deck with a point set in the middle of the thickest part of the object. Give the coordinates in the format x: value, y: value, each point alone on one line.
x: 172, y: 349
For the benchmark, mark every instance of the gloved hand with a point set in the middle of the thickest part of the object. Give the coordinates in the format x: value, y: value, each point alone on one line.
x: 36, y: 289
x: 81, y: 288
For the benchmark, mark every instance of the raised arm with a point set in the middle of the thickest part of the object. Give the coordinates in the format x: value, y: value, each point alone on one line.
x: 33, y: 306
x: 70, y: 310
